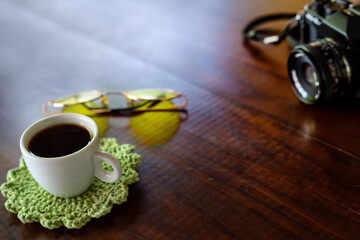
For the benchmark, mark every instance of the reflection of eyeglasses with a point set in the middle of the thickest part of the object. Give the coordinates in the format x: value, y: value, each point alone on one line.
x: 116, y: 102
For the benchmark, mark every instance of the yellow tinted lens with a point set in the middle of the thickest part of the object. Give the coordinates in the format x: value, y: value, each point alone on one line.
x: 151, y: 94
x: 78, y: 98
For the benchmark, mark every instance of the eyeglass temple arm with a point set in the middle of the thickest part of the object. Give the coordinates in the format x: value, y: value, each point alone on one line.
x: 174, y: 107
x: 46, y: 111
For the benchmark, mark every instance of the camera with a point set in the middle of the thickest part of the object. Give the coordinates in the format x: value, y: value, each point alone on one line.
x: 326, y: 63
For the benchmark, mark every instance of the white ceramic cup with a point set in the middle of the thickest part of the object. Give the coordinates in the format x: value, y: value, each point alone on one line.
x: 72, y: 174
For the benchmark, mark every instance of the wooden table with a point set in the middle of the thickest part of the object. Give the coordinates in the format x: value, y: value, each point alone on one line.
x: 247, y: 160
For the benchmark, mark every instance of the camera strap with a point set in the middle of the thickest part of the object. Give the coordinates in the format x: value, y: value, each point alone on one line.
x: 249, y: 32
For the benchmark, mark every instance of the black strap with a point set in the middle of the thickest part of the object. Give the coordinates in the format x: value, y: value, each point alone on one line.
x: 250, y: 34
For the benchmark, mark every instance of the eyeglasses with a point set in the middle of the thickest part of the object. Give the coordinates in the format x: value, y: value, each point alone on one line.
x: 140, y: 100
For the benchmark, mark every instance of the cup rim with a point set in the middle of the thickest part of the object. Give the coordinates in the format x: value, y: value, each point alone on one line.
x: 23, y: 145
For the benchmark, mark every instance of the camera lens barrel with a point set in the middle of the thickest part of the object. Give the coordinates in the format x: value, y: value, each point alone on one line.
x: 319, y: 71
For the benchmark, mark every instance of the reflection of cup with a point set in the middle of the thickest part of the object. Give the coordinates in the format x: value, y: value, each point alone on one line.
x: 72, y: 174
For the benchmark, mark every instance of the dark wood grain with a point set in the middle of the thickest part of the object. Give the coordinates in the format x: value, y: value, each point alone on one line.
x: 246, y: 161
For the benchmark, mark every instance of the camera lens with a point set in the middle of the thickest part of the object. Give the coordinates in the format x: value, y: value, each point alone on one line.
x: 310, y: 75
x: 318, y: 71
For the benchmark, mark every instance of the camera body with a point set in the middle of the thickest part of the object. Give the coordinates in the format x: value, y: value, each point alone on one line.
x: 325, y: 64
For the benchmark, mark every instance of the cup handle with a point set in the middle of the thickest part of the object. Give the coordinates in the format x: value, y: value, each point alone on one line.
x: 103, y: 175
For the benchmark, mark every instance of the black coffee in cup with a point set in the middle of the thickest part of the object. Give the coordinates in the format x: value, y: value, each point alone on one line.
x: 59, y: 140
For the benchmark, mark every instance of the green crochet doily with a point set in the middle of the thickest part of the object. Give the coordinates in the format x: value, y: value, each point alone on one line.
x: 33, y: 204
